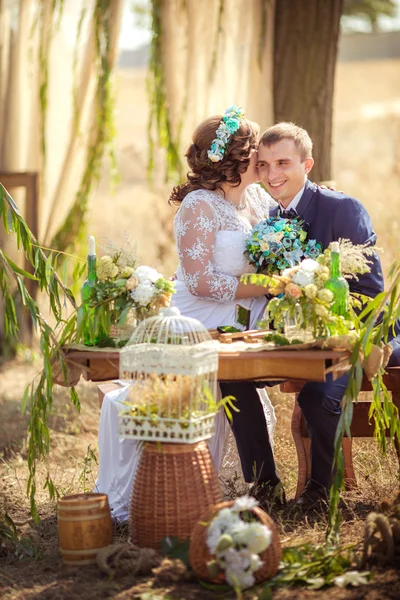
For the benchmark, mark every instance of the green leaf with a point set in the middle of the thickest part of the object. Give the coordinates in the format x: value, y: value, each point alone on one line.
x: 75, y: 398
x: 266, y: 594
x: 25, y: 397
x: 18, y: 269
x: 171, y: 546
x: 49, y: 268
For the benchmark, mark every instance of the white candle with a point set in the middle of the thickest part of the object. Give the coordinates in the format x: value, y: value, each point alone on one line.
x: 92, y: 246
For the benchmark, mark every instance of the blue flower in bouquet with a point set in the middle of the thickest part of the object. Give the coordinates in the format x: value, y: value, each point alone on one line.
x: 312, y: 249
x: 277, y: 243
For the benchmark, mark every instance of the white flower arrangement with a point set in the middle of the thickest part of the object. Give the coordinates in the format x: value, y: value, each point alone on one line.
x: 236, y: 540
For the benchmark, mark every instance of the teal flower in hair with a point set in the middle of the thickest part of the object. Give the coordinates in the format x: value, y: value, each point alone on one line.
x: 229, y: 124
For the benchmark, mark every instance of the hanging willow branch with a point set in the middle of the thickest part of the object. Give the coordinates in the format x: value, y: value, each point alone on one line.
x: 39, y: 393
x: 103, y: 128
x: 159, y: 119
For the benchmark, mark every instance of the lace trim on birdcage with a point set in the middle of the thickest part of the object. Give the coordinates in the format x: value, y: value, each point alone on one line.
x: 167, y: 430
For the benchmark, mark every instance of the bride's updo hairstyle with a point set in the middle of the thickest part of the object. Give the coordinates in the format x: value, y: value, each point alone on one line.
x: 205, y: 174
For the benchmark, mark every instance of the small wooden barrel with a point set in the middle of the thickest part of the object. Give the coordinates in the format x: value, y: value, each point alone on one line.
x: 84, y: 526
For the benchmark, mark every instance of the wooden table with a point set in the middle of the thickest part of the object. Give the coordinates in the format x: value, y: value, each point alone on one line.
x: 303, y: 365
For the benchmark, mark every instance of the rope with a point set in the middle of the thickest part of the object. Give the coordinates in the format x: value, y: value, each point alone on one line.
x: 125, y: 556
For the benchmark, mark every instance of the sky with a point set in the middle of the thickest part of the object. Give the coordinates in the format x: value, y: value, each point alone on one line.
x: 134, y: 35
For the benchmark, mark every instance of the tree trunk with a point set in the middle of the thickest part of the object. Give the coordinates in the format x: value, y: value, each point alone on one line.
x: 306, y: 43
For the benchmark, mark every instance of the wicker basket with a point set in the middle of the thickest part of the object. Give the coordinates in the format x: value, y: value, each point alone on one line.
x: 199, y: 554
x: 174, y: 485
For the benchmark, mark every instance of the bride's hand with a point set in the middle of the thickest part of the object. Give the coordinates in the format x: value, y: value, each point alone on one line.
x: 278, y: 285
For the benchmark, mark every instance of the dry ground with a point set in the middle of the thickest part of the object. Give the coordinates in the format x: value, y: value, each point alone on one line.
x: 366, y: 164
x: 35, y: 570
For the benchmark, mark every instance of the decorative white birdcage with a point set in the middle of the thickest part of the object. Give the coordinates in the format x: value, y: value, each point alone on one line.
x: 172, y: 364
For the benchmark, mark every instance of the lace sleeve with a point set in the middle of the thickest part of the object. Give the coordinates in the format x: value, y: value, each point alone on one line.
x: 196, y: 225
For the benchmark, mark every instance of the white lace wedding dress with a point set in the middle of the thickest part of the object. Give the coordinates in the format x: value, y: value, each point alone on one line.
x: 210, y: 235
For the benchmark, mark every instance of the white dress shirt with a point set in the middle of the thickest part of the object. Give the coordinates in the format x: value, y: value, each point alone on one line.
x: 293, y: 203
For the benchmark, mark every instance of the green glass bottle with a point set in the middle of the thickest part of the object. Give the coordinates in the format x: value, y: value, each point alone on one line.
x: 89, y: 339
x: 337, y: 284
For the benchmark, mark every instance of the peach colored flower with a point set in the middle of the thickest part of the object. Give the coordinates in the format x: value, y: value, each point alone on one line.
x: 293, y: 290
x: 132, y: 283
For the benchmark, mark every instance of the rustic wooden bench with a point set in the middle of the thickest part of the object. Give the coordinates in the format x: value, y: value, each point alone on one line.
x: 360, y: 427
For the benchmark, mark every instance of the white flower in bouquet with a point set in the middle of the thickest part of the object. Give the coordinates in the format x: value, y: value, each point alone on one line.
x: 106, y: 268
x: 255, y: 562
x: 144, y: 293
x: 147, y: 274
x: 237, y: 559
x: 305, y: 274
x: 258, y: 538
x: 236, y: 542
x: 244, y: 503
x: 126, y: 272
x: 325, y: 295
x: 241, y: 579
x: 321, y: 311
x: 310, y: 290
x: 255, y: 536
x: 226, y: 518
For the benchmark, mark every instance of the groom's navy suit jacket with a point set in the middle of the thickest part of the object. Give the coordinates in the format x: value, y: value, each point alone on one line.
x: 329, y: 216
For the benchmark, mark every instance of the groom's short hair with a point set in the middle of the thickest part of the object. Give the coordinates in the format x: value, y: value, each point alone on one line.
x: 289, y: 131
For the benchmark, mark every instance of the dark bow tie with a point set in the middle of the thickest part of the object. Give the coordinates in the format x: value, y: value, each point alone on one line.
x: 288, y: 214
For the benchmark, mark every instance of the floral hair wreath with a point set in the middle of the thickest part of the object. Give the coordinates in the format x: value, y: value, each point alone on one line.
x: 229, y: 124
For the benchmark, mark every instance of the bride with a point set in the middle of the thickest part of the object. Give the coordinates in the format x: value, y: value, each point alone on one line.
x: 218, y: 205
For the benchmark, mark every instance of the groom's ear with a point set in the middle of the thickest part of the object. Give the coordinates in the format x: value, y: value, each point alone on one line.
x: 309, y: 163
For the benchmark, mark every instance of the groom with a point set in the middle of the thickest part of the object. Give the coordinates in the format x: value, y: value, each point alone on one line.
x: 284, y: 162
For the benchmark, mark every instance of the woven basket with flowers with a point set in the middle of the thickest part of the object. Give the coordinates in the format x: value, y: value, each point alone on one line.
x: 237, y: 543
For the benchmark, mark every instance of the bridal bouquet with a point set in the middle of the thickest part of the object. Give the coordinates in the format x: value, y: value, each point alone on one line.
x: 276, y: 244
